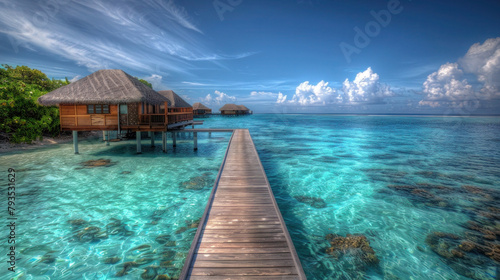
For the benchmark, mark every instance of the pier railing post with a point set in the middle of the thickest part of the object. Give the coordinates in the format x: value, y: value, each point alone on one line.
x: 75, y: 141
x: 138, y: 140
x: 195, y: 138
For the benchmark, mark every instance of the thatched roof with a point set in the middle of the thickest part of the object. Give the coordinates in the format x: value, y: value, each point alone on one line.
x: 233, y: 107
x: 199, y: 106
x: 175, y: 100
x: 103, y: 87
x: 243, y: 108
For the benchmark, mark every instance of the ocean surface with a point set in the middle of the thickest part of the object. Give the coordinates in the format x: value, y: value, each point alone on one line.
x: 363, y: 197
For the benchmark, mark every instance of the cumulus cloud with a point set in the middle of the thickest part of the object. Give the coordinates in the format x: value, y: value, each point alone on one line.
x: 218, y: 98
x: 483, y: 60
x: 310, y: 94
x: 281, y: 98
x: 447, y: 86
x: 365, y: 88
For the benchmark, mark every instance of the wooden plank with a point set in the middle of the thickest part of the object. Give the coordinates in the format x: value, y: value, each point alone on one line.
x: 243, y: 250
x: 242, y: 245
x: 243, y: 219
x: 243, y: 231
x: 234, y: 239
x: 238, y: 256
x: 245, y: 271
x: 261, y: 277
x: 245, y: 263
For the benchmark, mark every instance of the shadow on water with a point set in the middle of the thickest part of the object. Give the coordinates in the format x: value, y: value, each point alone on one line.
x: 184, y: 149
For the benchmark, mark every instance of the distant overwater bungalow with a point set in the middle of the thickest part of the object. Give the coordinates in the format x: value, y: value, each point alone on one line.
x: 112, y: 100
x: 200, y: 110
x: 232, y: 109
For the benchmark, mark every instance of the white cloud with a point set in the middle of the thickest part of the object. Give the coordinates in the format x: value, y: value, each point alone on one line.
x: 365, y: 88
x: 75, y: 78
x: 281, y: 98
x: 447, y: 86
x: 319, y: 94
x: 218, y: 98
x: 263, y: 93
x: 155, y: 81
x: 483, y: 60
x: 97, y: 34
x: 195, y: 84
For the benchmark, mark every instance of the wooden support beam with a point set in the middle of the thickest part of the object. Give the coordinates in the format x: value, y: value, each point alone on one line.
x: 75, y: 141
x: 195, y: 138
x: 107, y: 137
x: 138, y: 140
x: 174, y: 138
x: 152, y: 134
x: 164, y: 141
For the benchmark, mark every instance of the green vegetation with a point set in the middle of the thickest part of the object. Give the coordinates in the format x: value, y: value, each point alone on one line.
x: 145, y: 82
x: 23, y: 120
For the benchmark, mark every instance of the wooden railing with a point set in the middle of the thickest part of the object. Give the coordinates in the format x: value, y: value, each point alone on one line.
x: 152, y: 119
x: 179, y: 118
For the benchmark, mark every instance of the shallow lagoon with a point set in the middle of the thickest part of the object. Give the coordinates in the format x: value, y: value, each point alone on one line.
x: 394, y: 180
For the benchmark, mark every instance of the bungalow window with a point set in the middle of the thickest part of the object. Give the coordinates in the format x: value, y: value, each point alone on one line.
x: 97, y: 109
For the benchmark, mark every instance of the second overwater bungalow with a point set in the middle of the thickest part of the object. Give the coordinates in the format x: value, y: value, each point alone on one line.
x: 179, y: 110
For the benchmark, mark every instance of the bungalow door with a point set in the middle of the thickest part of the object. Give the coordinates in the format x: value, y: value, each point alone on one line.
x: 124, y: 114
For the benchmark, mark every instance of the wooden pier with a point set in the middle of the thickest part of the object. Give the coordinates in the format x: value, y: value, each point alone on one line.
x: 242, y: 234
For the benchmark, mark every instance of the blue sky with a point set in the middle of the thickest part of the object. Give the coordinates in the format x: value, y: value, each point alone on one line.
x: 302, y: 56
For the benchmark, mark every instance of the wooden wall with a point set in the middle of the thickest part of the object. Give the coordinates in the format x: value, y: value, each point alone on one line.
x: 75, y: 117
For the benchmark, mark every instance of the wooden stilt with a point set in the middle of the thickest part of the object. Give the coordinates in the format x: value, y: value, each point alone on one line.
x: 138, y: 140
x: 152, y: 138
x: 75, y: 141
x: 164, y: 141
x: 195, y: 138
x: 174, y: 138
x: 107, y: 137
x: 210, y: 134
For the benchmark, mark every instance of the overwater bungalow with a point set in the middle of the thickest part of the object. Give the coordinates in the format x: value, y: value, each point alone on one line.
x: 232, y: 109
x: 112, y: 100
x: 200, y: 110
x: 179, y: 110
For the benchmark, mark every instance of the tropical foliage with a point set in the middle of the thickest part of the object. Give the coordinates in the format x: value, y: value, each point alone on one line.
x: 22, y: 119
x: 145, y: 82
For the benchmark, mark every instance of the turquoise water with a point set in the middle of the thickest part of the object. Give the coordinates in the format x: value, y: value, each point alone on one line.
x: 73, y: 218
x: 395, y: 180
